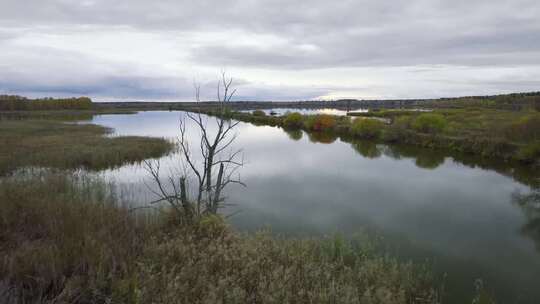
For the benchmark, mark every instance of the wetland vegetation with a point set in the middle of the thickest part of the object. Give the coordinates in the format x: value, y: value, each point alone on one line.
x: 58, y: 144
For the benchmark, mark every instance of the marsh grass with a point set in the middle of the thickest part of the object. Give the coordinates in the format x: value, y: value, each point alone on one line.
x: 68, y: 238
x: 258, y: 113
x: 261, y: 268
x: 52, y: 143
x: 60, y: 115
x: 64, y: 238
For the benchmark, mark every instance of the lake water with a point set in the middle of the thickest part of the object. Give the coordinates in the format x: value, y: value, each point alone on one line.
x: 330, y: 111
x: 453, y: 212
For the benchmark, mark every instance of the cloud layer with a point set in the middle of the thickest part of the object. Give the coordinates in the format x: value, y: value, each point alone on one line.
x: 278, y: 49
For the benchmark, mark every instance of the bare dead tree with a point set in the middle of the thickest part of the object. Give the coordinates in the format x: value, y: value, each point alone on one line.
x: 211, y: 171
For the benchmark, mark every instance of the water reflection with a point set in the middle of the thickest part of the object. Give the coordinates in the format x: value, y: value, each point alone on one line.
x: 295, y: 135
x: 330, y: 111
x: 322, y: 137
x: 530, y: 205
x: 367, y: 149
x: 424, y: 158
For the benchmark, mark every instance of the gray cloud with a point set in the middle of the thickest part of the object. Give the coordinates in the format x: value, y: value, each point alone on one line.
x: 272, y: 35
x: 347, y: 32
x: 41, y: 71
x: 114, y: 87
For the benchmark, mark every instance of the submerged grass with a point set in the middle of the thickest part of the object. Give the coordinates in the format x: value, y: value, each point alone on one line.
x: 52, y: 143
x: 66, y: 238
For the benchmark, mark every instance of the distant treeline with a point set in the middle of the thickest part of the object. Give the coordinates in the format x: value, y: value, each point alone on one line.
x: 20, y: 103
x: 507, y: 101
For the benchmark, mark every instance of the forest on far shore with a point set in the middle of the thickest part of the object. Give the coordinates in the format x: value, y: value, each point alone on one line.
x: 20, y: 103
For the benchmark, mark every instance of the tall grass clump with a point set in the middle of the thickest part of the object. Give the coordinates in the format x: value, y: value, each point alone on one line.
x: 398, y: 129
x: 210, y: 264
x: 530, y: 152
x: 65, y: 239
x: 526, y: 128
x: 429, y: 123
x: 367, y: 128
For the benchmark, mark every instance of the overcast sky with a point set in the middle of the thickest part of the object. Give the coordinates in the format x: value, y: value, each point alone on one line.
x: 275, y: 49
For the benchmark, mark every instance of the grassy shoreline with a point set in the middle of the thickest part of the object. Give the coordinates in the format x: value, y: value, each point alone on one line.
x: 484, y: 132
x: 61, y: 115
x: 54, y: 143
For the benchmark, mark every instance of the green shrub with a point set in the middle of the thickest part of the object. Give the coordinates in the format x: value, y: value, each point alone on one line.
x: 429, y: 123
x: 293, y: 121
x: 309, y: 122
x: 367, y: 128
x: 258, y: 113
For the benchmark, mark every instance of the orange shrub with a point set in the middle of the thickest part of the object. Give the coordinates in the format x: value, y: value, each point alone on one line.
x: 322, y: 122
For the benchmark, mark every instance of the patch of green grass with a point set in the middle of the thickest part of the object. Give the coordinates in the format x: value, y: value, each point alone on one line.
x: 51, y: 143
x: 293, y: 121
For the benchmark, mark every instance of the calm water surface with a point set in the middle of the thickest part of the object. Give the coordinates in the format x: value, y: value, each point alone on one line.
x: 330, y: 111
x: 426, y: 206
